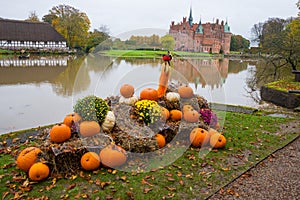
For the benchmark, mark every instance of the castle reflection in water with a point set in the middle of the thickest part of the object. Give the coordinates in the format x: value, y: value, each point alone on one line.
x: 203, y: 72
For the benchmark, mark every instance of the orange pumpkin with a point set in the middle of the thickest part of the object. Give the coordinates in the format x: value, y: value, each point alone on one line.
x: 90, y: 161
x: 113, y: 156
x: 149, y: 94
x: 27, y: 158
x: 60, y: 133
x: 185, y: 91
x: 165, y: 113
x: 127, y: 90
x: 161, y: 141
x: 199, y: 137
x: 163, y: 80
x: 191, y: 116
x: 72, y: 118
x: 175, y: 115
x: 187, y: 108
x: 217, y: 141
x: 38, y: 171
x: 89, y: 128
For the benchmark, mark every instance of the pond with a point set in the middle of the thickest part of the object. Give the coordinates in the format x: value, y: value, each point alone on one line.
x: 43, y: 89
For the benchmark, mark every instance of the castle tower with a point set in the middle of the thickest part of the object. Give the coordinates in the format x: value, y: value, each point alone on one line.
x: 226, y: 27
x: 199, y: 29
x: 191, y: 18
x: 227, y: 38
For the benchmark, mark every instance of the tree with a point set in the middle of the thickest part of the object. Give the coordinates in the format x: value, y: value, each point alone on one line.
x: 95, y: 38
x: 71, y: 23
x: 264, y: 29
x: 257, y: 33
x: 239, y: 43
x: 280, y: 40
x: 167, y: 42
x: 33, y: 17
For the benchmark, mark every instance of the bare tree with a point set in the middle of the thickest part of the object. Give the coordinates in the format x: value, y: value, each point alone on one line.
x: 33, y: 17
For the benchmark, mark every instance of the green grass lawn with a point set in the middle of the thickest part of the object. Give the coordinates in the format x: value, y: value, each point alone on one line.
x: 195, y: 175
x: 153, y: 54
x: 284, y: 85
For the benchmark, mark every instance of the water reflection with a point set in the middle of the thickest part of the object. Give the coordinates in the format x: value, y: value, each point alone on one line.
x: 35, y: 61
x: 39, y: 69
x: 262, y: 74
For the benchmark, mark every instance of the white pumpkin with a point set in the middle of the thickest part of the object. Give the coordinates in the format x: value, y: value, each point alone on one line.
x: 129, y: 101
x: 173, y: 96
x: 109, y: 121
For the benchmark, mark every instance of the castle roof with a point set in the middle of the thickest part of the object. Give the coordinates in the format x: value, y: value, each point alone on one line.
x: 17, y: 30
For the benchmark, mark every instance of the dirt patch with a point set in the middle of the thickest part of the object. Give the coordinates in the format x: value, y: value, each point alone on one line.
x: 290, y: 127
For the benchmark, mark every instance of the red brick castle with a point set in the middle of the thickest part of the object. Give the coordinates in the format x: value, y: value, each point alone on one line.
x: 209, y: 37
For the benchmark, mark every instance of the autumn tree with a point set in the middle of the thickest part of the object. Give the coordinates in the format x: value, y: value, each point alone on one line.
x: 70, y: 23
x: 33, y: 17
x: 144, y: 41
x: 238, y: 43
x: 167, y: 42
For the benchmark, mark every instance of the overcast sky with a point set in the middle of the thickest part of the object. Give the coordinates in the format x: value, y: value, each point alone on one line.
x: 155, y: 16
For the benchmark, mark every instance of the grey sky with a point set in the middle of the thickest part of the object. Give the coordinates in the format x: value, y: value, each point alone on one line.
x: 156, y: 15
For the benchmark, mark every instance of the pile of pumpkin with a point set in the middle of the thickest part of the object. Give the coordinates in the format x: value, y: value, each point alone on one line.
x: 92, y: 116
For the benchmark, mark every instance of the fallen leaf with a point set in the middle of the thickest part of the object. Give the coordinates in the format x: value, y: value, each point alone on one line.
x: 54, y: 181
x: 181, y: 182
x: 81, y: 174
x: 64, y: 196
x: 225, y: 169
x: 230, y: 191
x: 147, y: 177
x: 84, y: 196
x: 130, y: 194
x: 247, y: 174
x: 168, y: 174
x: 49, y: 187
x: 103, y: 184
x: 97, y: 182
x: 70, y: 187
x: 171, y: 179
x: 108, y: 197
x: 144, y: 182
x: 146, y: 190
x: 77, y: 196
x: 123, y: 178
x: 179, y: 174
x: 15, y: 140
x: 170, y: 188
x: 4, y: 194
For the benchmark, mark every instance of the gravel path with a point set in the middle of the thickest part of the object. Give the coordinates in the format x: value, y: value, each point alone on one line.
x: 277, y: 177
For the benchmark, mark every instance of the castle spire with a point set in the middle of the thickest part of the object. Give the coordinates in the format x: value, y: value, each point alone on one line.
x: 200, y: 27
x: 226, y: 27
x: 191, y: 17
